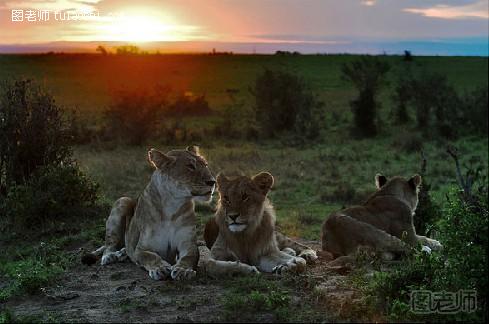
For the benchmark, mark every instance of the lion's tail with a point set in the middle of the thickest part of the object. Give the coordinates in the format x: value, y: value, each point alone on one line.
x: 92, y: 257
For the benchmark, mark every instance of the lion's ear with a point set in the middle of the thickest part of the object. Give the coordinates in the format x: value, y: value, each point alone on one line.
x: 221, y: 180
x: 264, y: 181
x: 159, y: 159
x: 415, y: 181
x: 193, y: 149
x: 380, y: 180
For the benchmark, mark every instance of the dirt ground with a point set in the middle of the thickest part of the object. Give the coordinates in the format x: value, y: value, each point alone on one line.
x: 123, y: 292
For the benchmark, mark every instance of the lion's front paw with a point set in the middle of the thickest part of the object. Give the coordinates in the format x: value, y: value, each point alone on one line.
x: 435, y: 245
x: 179, y: 273
x: 248, y: 269
x: 296, y: 265
x: 108, y: 258
x: 309, y: 255
x: 160, y: 273
x: 289, y: 251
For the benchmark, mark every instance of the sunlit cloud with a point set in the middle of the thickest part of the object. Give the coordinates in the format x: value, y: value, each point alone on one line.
x: 53, y: 5
x: 369, y: 3
x: 478, y: 10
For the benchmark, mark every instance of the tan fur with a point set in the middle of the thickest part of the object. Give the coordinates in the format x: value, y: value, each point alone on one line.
x: 246, y: 222
x: 384, y: 222
x: 158, y: 231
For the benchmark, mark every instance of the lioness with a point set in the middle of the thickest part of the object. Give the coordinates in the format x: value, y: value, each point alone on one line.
x: 383, y: 222
x: 246, y: 230
x: 158, y: 232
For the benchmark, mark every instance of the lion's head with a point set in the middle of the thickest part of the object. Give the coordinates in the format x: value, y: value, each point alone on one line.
x: 399, y: 187
x: 188, y: 171
x: 242, y: 201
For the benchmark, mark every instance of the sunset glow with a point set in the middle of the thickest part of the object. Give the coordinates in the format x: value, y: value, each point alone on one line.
x: 140, y: 28
x: 253, y: 25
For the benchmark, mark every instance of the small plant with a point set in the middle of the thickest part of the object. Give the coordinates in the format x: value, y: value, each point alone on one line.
x: 284, y: 103
x: 133, y: 114
x: 462, y: 264
x: 367, y: 74
x: 52, y: 196
x: 33, y: 132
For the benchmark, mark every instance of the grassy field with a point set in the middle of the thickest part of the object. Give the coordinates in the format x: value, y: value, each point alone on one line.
x: 312, y: 179
x: 310, y: 182
x: 86, y: 81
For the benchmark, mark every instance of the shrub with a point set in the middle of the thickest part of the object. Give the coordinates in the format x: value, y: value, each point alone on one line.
x: 368, y: 76
x: 40, y: 184
x: 402, y: 97
x: 53, y: 194
x: 408, y: 57
x: 437, y: 105
x: 186, y: 105
x: 475, y: 108
x: 238, y: 121
x: 133, y: 114
x: 33, y: 133
x: 283, y: 103
x: 462, y: 264
x: 409, y: 142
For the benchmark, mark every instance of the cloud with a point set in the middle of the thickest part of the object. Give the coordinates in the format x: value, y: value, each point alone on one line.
x: 53, y: 5
x: 478, y: 10
x: 369, y: 3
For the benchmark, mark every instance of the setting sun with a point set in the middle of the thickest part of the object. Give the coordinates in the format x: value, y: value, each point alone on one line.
x: 137, y: 28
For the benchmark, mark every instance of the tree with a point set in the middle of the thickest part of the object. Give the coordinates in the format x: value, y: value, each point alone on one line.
x: 33, y: 133
x: 367, y: 75
x: 284, y: 103
x: 133, y: 114
x: 101, y: 49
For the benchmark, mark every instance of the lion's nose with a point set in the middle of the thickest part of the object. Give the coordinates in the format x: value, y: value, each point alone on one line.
x: 233, y: 216
x: 210, y: 183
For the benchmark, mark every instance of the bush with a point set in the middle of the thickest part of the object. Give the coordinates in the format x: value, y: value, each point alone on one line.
x: 238, y: 121
x: 40, y: 184
x: 283, y: 103
x: 133, y: 114
x: 409, y: 142
x: 186, y: 105
x: 402, y: 97
x: 438, y: 107
x: 475, y: 108
x: 461, y: 265
x: 368, y: 76
x: 53, y: 194
x: 33, y: 133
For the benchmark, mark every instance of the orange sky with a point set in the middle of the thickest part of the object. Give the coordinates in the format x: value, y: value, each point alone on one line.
x: 305, y: 21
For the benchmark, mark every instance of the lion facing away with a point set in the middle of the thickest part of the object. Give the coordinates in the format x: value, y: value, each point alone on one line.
x: 246, y: 240
x: 158, y: 231
x: 384, y: 222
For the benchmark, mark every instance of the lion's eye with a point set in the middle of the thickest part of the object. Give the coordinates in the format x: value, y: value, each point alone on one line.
x: 245, y: 197
x: 191, y: 166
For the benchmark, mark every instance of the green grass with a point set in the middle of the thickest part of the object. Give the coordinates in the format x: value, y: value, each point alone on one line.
x: 310, y: 182
x: 86, y: 81
x: 29, y: 266
x: 248, y: 298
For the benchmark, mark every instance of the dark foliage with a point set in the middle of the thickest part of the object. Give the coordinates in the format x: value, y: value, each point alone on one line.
x: 284, y: 103
x: 133, y: 114
x: 33, y: 133
x: 188, y: 106
x: 53, y: 195
x: 40, y: 183
x: 367, y: 74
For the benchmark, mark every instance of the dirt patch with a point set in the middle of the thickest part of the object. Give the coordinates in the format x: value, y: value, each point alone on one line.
x: 123, y: 292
